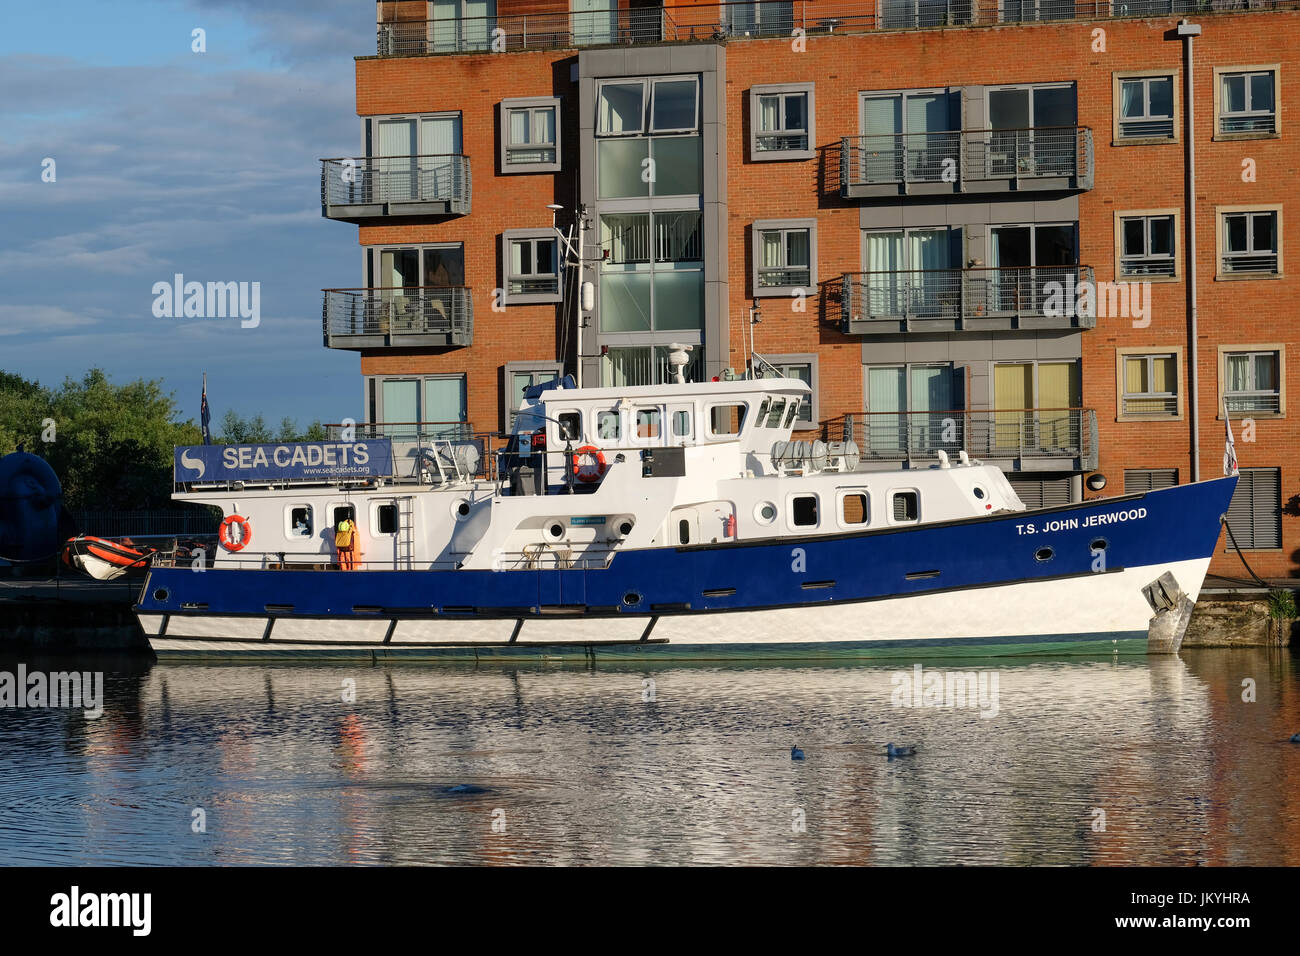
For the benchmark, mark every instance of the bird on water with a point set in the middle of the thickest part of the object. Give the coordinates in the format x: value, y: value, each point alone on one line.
x: 796, y: 753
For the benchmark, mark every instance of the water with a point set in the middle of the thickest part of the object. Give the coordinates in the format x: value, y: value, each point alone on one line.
x: 579, y: 768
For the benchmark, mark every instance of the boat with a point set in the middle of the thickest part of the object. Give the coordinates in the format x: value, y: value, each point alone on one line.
x: 106, y: 559
x: 679, y: 521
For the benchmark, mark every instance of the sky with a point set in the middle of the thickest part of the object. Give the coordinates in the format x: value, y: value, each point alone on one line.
x: 168, y: 161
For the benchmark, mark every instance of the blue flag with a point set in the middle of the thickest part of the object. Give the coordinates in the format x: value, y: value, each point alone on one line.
x: 205, y: 416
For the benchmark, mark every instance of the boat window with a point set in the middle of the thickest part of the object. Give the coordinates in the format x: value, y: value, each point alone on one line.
x: 684, y: 531
x: 570, y: 425
x: 774, y: 416
x: 853, y: 508
x: 344, y: 511
x: 762, y: 411
x: 804, y: 511
x: 300, y: 521
x: 726, y: 419
x: 386, y: 519
x: 647, y: 423
x: 609, y: 425
x: 682, y: 424
x: 907, y: 506
x: 791, y: 413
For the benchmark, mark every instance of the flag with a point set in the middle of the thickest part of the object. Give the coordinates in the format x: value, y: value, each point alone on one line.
x: 205, y: 416
x: 1229, y: 448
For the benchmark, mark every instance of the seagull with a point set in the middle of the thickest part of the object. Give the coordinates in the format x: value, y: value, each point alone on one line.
x: 891, y: 751
x: 796, y: 753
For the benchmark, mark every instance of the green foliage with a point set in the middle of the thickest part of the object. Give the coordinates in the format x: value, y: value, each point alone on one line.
x: 236, y: 430
x: 1281, y: 604
x: 112, y: 444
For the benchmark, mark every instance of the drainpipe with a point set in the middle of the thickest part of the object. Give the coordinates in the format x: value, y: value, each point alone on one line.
x: 1189, y: 31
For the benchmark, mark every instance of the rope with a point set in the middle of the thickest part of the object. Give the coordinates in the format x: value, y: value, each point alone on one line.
x: 1237, y: 548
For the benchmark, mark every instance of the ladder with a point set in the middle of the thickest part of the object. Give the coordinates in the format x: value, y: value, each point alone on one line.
x: 404, y: 557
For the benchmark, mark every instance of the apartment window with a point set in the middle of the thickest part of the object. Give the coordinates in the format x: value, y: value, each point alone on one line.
x: 624, y: 365
x: 658, y: 105
x: 532, y: 267
x: 652, y: 271
x: 785, y: 256
x: 1149, y: 385
x: 1246, y: 102
x: 1137, y: 480
x: 781, y: 122
x: 1255, y: 512
x: 1252, y: 380
x: 432, y: 406
x: 530, y: 135
x: 908, y: 136
x: 1147, y: 244
x: 518, y: 378
x: 415, y: 158
x: 803, y: 368
x: 1144, y: 108
x: 1249, y: 243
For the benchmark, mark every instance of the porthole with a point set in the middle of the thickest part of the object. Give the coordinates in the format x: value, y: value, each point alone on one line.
x: 556, y: 531
x: 161, y: 595
x: 631, y: 598
x: 460, y: 509
x: 765, y: 512
x: 625, y: 528
x: 1098, y: 544
x: 978, y: 492
x: 1044, y: 554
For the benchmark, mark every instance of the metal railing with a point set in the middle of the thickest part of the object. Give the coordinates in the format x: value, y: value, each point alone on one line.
x: 363, y: 431
x: 962, y: 296
x: 1156, y: 406
x: 405, y: 30
x: 395, y: 312
x: 1019, y: 433
x: 1233, y: 264
x: 376, y: 180
x: 135, y: 524
x: 973, y: 155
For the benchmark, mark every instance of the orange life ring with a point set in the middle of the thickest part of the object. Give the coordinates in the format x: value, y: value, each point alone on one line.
x: 601, y: 465
x: 245, y: 533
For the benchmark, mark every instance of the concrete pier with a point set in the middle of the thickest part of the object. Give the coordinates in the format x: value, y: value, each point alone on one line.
x: 1233, y: 612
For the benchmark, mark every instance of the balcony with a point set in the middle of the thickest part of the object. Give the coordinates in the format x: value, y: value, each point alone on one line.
x: 365, y: 188
x: 962, y: 300
x: 397, y: 317
x: 1021, y: 439
x: 966, y: 161
x: 403, y: 27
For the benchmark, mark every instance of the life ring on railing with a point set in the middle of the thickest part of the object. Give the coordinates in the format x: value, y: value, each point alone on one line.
x: 228, y: 540
x: 601, y: 465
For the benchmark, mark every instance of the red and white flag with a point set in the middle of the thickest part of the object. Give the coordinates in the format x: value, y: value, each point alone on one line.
x: 1229, y: 448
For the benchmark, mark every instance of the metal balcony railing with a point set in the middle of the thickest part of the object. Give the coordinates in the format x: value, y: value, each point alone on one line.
x: 412, y: 431
x: 1018, y: 433
x: 963, y: 298
x: 368, y: 186
x: 1154, y: 406
x: 398, y: 316
x: 967, y: 156
x: 1235, y: 263
x: 403, y: 27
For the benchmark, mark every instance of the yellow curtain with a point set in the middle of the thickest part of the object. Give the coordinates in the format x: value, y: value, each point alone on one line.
x: 1058, y: 384
x: 1013, y: 391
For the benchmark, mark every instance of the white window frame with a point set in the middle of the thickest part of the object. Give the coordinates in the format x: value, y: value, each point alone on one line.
x: 1275, y: 127
x: 1147, y: 215
x: 533, y: 236
x: 1144, y: 77
x: 289, y: 509
x: 809, y: 359
x: 1276, y: 349
x: 531, y: 104
x: 1122, y: 396
x: 783, y: 226
x: 1222, y: 213
x: 782, y: 90
x: 515, y: 368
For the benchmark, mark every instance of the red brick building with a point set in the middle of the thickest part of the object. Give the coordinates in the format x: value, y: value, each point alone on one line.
x: 915, y: 199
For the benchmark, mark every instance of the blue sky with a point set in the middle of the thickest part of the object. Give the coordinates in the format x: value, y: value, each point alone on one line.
x: 170, y: 161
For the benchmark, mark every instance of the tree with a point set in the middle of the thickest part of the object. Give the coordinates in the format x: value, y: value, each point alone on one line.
x: 112, y: 444
x: 237, y: 430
